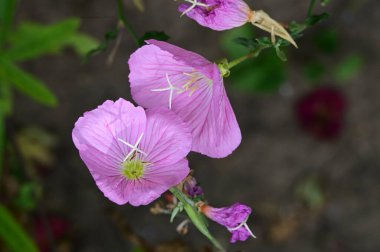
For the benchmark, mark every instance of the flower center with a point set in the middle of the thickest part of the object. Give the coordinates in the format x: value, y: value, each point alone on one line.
x: 133, y: 169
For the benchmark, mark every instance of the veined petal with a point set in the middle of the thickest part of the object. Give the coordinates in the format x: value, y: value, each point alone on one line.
x: 220, y: 134
x: 220, y: 14
x: 168, y: 138
x: 200, y: 99
x: 96, y: 135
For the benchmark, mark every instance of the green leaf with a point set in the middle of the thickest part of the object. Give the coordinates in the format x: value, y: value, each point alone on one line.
x: 28, y: 85
x: 7, y: 8
x: 12, y: 234
x: 348, y: 68
x: 280, y: 54
x: 108, y: 38
x: 158, y: 35
x: 196, y: 217
x: 314, y: 19
x: 176, y: 210
x: 33, y: 40
x: 82, y: 43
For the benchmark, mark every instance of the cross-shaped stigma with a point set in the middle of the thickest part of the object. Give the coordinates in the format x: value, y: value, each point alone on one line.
x: 194, y: 3
x: 134, y: 148
x: 245, y: 225
x: 170, y: 88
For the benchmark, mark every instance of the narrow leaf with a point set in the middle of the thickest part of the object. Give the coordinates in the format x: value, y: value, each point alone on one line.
x: 33, y: 40
x: 196, y: 217
x: 29, y: 85
x: 174, y: 213
x: 12, y: 234
x: 81, y: 43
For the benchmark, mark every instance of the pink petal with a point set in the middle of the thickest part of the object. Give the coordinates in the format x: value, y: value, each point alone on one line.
x: 220, y: 134
x: 168, y: 138
x: 224, y: 14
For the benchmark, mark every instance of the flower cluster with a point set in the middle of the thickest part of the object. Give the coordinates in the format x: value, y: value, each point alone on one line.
x: 135, y: 154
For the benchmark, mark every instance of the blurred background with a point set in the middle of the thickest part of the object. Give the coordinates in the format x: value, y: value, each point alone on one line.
x: 308, y: 164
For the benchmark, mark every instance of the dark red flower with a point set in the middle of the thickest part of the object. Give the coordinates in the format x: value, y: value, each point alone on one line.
x: 321, y: 112
x: 49, y: 231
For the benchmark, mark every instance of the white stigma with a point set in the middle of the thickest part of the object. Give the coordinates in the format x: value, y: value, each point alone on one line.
x: 134, y: 148
x: 245, y: 225
x: 170, y: 88
x: 194, y: 3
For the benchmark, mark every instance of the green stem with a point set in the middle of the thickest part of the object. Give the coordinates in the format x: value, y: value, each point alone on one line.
x: 252, y: 54
x: 311, y: 7
x: 127, y: 26
x: 195, y: 216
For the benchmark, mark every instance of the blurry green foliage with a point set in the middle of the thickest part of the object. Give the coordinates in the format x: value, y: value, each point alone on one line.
x: 27, y: 84
x: 12, y: 234
x: 325, y: 2
x: 309, y: 191
x: 327, y: 41
x: 30, y: 41
x: 265, y: 73
x: 28, y: 196
x: 262, y: 74
x: 314, y: 71
x: 348, y: 68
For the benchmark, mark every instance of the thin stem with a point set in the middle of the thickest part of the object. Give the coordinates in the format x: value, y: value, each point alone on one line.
x: 311, y: 7
x: 127, y: 26
x: 252, y: 54
x: 195, y: 216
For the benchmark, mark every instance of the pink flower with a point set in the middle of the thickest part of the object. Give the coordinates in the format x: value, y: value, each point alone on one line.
x: 163, y: 75
x: 321, y: 112
x: 217, y: 14
x: 223, y: 15
x: 134, y: 156
x: 234, y: 218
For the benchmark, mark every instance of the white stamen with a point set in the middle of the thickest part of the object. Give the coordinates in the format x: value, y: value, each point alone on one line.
x: 243, y: 224
x: 194, y: 3
x: 170, y: 88
x: 133, y: 147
